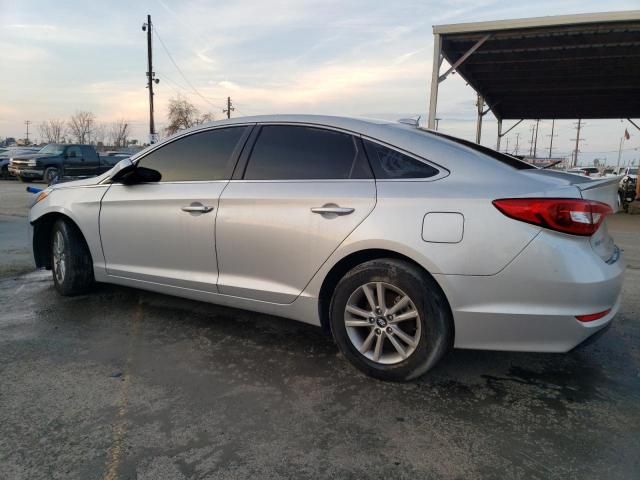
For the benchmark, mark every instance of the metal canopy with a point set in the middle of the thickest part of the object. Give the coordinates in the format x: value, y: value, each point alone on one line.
x: 563, y: 67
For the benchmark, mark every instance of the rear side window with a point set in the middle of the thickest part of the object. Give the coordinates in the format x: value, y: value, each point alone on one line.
x: 388, y: 163
x: 285, y: 152
x: 198, y: 157
x: 74, y: 152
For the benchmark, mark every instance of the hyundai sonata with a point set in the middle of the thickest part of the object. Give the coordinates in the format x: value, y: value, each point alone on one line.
x: 400, y: 242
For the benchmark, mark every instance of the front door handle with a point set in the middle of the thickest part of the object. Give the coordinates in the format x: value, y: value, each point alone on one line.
x: 333, y: 210
x: 197, y: 208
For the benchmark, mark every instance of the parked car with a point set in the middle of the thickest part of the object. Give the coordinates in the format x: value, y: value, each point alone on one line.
x: 592, y: 172
x: 627, y: 187
x: 399, y: 241
x: 55, y: 160
x: 4, y: 168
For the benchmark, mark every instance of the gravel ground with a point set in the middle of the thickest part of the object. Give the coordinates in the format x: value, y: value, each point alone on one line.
x: 129, y: 384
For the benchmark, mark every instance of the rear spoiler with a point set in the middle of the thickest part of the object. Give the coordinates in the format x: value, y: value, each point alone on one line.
x: 602, y: 182
x: 603, y: 190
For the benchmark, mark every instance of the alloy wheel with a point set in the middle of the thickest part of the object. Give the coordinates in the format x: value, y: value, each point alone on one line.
x: 59, y: 257
x: 382, y: 323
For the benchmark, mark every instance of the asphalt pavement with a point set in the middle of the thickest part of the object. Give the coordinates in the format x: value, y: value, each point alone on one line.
x: 128, y: 384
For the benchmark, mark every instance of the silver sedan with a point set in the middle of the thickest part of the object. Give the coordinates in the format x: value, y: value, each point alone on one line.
x: 400, y: 242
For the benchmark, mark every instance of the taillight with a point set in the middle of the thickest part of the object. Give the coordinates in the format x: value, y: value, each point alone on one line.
x: 567, y: 215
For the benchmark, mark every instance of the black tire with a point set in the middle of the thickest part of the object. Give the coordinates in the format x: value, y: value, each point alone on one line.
x: 77, y: 275
x: 22, y: 179
x: 5, y: 173
x: 50, y: 173
x: 436, y: 325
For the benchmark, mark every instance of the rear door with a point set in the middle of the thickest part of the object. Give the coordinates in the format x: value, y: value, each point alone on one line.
x: 164, y: 232
x: 300, y: 192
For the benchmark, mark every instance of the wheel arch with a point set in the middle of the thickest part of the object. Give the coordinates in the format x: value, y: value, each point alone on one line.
x: 354, y: 259
x: 42, y: 228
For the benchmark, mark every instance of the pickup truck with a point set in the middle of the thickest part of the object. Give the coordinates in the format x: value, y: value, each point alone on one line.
x: 56, y: 160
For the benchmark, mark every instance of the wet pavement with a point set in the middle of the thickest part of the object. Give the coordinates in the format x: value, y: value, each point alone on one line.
x: 129, y: 384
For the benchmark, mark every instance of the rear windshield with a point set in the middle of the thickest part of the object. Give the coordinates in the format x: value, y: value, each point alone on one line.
x: 501, y: 157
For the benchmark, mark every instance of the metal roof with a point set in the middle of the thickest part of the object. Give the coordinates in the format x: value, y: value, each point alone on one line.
x: 564, y: 67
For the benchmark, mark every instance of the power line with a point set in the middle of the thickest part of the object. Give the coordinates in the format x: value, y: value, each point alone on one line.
x: 155, y: 30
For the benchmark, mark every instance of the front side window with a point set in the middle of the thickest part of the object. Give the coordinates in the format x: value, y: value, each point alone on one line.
x: 198, y: 157
x: 286, y: 152
x: 52, y: 149
x: 391, y: 164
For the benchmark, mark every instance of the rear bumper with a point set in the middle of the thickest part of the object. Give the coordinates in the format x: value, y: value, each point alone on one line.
x: 532, y: 304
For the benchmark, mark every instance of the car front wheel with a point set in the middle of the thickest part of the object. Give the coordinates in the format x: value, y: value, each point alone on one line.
x: 50, y: 174
x: 70, y: 260
x: 390, y: 319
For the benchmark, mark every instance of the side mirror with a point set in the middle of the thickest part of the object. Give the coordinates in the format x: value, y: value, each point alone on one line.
x: 121, y: 169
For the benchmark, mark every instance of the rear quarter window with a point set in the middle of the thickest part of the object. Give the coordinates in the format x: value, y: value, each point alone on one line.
x: 388, y: 163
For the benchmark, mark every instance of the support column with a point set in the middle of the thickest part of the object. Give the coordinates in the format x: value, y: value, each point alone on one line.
x: 499, y: 134
x: 479, y: 120
x: 435, y: 81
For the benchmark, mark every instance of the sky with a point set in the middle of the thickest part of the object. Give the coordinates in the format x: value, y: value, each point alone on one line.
x: 344, y: 57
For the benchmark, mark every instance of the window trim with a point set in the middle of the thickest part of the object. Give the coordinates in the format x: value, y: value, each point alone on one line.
x: 442, y: 171
x: 235, y: 154
x: 251, y: 143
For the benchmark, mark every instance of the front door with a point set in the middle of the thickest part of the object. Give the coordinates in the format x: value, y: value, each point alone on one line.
x: 73, y: 161
x: 164, y: 232
x: 304, y: 190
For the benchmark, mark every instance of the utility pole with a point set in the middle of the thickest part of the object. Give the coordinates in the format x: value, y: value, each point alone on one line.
x: 553, y: 124
x: 535, y: 142
x: 506, y: 149
x: 577, y: 139
x: 27, y: 123
x: 146, y: 27
x: 620, y: 152
x: 533, y: 130
x: 517, y: 143
x: 229, y: 108
x: 437, y: 123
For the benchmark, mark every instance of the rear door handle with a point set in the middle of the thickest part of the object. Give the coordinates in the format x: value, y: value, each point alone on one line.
x: 197, y: 208
x: 334, y: 210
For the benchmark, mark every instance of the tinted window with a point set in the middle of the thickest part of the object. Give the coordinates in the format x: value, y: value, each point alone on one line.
x: 300, y: 153
x: 74, y: 152
x: 197, y: 157
x: 389, y: 163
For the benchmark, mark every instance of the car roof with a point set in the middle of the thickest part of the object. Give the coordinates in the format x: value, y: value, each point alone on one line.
x: 419, y: 141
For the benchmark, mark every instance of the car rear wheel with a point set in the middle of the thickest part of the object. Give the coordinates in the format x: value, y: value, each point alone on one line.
x: 390, y: 319
x: 70, y: 260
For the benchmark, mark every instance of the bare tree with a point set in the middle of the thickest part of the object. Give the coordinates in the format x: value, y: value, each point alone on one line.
x: 182, y: 114
x: 99, y: 134
x: 204, y: 118
x: 119, y: 133
x: 80, y: 126
x: 52, y: 131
